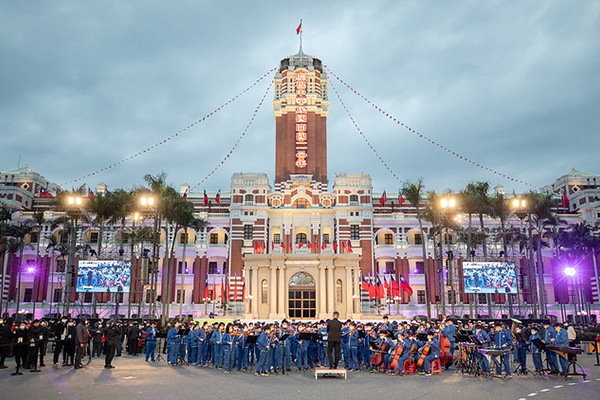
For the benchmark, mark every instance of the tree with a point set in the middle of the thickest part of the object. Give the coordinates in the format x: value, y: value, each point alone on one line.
x: 15, y: 245
x: 122, y: 205
x: 413, y: 193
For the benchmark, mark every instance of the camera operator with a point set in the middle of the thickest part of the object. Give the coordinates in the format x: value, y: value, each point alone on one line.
x: 112, y: 337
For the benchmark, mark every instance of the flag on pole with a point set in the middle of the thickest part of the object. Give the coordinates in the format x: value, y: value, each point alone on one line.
x: 383, y: 199
x: 44, y: 194
x: 91, y: 195
x: 206, y: 291
x: 309, y: 245
x: 106, y: 194
x: 335, y: 245
x: 324, y: 245
x: 214, y: 293
x: 400, y: 199
x: 349, y: 247
x: 244, y: 290
x: 299, y: 28
x: 380, y: 289
x: 185, y: 195
x: 565, y: 200
x: 404, y: 285
x: 394, y: 287
x: 218, y: 197
x: 386, y: 283
x: 235, y: 289
x: 205, y: 199
x: 300, y: 244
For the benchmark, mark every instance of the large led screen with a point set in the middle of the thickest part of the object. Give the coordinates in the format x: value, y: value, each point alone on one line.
x: 103, y: 276
x: 489, y: 277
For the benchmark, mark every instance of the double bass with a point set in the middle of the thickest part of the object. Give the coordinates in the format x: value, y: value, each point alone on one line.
x: 446, y: 357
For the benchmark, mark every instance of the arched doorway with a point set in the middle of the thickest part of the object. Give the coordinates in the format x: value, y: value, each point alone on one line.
x: 302, y: 296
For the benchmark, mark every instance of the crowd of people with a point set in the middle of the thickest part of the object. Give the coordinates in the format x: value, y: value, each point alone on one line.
x: 277, y: 347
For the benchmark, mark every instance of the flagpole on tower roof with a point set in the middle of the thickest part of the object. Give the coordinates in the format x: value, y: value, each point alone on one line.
x: 299, y: 32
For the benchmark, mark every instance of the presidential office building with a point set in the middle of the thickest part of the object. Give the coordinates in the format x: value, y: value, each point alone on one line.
x: 299, y: 245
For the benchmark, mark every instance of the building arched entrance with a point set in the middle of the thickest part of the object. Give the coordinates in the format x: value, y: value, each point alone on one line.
x: 302, y: 296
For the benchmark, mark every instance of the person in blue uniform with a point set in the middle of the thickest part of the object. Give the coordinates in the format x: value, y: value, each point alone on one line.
x: 191, y: 342
x: 521, y: 350
x: 262, y: 344
x: 549, y: 337
x: 404, y: 341
x: 385, y: 339
x: 228, y: 348
x: 536, y: 353
x: 353, y: 348
x: 449, y: 331
x: 151, y: 341
x: 242, y: 350
x: 562, y: 340
x: 503, y: 341
x: 302, y: 350
x: 434, y: 352
x: 173, y: 341
x: 483, y: 337
x: 216, y: 340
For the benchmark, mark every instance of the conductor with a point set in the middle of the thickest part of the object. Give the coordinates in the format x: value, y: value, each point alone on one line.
x: 334, y: 327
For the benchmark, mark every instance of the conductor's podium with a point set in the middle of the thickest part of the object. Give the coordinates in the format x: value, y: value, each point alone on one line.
x: 323, y: 371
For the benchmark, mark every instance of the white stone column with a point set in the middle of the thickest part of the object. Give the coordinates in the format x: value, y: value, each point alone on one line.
x: 322, y: 299
x: 273, y: 293
x: 281, y: 296
x: 348, y: 296
x: 330, y: 290
x: 245, y: 277
x: 254, y: 291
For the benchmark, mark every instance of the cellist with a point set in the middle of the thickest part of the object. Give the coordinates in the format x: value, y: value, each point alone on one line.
x: 433, y: 340
x: 405, y: 341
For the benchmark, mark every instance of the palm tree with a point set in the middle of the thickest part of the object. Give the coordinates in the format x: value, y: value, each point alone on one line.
x: 97, y: 212
x: 122, y: 202
x: 55, y: 247
x: 413, y: 193
x: 499, y: 209
x: 16, y: 244
x: 5, y: 221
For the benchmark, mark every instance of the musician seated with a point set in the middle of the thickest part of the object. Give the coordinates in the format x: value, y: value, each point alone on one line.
x: 405, y: 341
x: 562, y: 340
x: 433, y: 340
x: 389, y: 344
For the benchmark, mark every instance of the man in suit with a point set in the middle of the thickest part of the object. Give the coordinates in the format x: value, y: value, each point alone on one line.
x: 334, y: 338
x: 83, y: 341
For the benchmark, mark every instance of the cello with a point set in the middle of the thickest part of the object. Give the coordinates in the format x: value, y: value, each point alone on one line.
x: 424, y: 353
x: 397, y: 354
x: 377, y: 358
x: 446, y: 357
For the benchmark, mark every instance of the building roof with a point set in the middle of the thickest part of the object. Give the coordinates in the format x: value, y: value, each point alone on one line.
x: 22, y: 170
x: 575, y: 172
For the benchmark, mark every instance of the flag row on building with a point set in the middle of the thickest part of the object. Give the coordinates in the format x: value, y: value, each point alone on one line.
x: 378, y: 287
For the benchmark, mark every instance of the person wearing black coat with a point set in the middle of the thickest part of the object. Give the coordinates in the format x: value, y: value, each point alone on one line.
x: 83, y: 342
x: 334, y: 339
x: 69, y: 346
x: 35, y: 336
x: 20, y: 346
x: 60, y: 333
x: 6, y: 337
x: 112, y: 338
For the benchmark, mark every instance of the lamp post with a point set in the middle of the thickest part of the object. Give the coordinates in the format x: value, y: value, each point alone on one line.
x: 73, y: 207
x: 521, y: 210
x: 148, y: 202
x: 445, y: 203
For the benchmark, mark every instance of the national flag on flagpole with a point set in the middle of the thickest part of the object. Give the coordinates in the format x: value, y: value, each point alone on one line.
x: 386, y: 283
x: 214, y: 293
x: 291, y: 246
x: 380, y: 289
x: 185, y: 195
x: 299, y: 28
x: 264, y: 246
x: 300, y: 244
x: 106, y: 194
x: 205, y: 199
x: 383, y: 199
x: 223, y: 289
x: 404, y: 285
x: 367, y: 286
x: 335, y: 245
x: 282, y: 245
x: 395, y: 288
x: 565, y: 199
x: 400, y: 199
x: 206, y: 291
x: 309, y: 245
x: 273, y: 246
x: 324, y: 245
x: 44, y: 194
x: 349, y: 247
x: 218, y: 197
x: 235, y: 289
x: 244, y: 290
x: 91, y: 195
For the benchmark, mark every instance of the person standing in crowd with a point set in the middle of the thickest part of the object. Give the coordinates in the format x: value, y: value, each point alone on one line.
x: 97, y: 337
x: 34, y: 340
x: 536, y: 353
x: 562, y: 340
x: 151, y: 341
x: 449, y: 330
x: 20, y: 346
x: 334, y: 338
x: 503, y: 341
x: 43, y: 342
x: 173, y: 341
x: 83, y: 341
x: 70, y: 343
x: 5, y: 340
x: 549, y: 336
x: 572, y: 334
x: 263, y: 344
x: 60, y: 334
x: 112, y: 337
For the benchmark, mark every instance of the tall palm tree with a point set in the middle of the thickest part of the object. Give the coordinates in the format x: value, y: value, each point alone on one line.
x: 500, y: 209
x: 413, y: 193
x: 98, y: 212
x: 122, y: 202
x: 54, y: 246
x: 16, y: 244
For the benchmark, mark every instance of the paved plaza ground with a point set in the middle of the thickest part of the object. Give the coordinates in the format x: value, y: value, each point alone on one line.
x: 133, y: 378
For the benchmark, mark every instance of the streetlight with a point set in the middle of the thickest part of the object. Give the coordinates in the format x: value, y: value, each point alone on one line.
x: 73, y: 209
x: 445, y: 203
x: 148, y: 202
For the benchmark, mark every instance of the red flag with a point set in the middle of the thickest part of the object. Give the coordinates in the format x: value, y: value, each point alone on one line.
x: 264, y: 246
x: 383, y: 199
x: 223, y: 290
x: 291, y: 246
x: 400, y: 199
x: 244, y: 291
x: 91, y: 195
x: 273, y: 246
x: 386, y: 283
x: 380, y: 289
x: 324, y: 245
x: 45, y: 194
x: 335, y: 245
x: 214, y: 293
x: 404, y: 285
x: 218, y: 197
x: 394, y: 287
x: 349, y: 247
x: 365, y: 285
x: 309, y: 245
x: 206, y: 291
x: 565, y: 199
x: 235, y: 290
x: 299, y: 28
x: 185, y: 195
x: 282, y: 245
x: 300, y: 244
x: 205, y: 199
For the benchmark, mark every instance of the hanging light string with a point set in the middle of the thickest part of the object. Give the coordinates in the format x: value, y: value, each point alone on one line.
x: 239, y: 138
x: 362, y: 134
x: 174, y: 135
x: 391, y: 117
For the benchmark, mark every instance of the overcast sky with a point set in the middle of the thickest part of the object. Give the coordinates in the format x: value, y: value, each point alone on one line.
x: 513, y: 85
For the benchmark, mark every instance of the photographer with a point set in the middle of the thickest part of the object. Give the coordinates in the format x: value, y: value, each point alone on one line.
x: 112, y: 338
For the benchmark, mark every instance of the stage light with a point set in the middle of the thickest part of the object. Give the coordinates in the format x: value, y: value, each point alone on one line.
x: 570, y: 271
x: 31, y: 270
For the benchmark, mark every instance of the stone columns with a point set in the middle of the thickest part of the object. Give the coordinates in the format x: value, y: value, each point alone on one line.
x: 322, y: 295
x: 348, y: 298
x: 330, y: 290
x: 255, y: 292
x: 282, y: 292
x: 273, y: 293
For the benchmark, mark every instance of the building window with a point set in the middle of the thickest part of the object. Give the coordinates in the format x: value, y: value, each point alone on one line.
x: 301, y: 238
x: 419, y: 268
x: 353, y: 199
x: 264, y: 293
x: 88, y: 297
x: 301, y: 203
x: 213, y: 238
x: 420, y: 297
x: 179, y: 295
x: 389, y: 267
x: 338, y: 291
x: 418, y: 239
x: 248, y: 232
x: 389, y: 239
x: 28, y: 295
x: 326, y: 238
x: 249, y: 199
x: 180, y: 266
x: 183, y: 237
x: 354, y: 232
x: 57, y: 296
x: 60, y: 265
x: 276, y: 238
x: 94, y: 237
x: 212, y: 267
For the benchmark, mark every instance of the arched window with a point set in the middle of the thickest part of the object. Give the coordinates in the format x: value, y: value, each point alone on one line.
x: 308, y: 184
x: 264, y: 293
x: 301, y: 203
x: 301, y: 183
x: 301, y: 237
x: 338, y: 291
x: 249, y: 198
x: 294, y: 184
x: 353, y: 199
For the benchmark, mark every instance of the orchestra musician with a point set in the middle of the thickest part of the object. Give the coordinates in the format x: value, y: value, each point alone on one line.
x: 503, y: 341
x: 536, y: 353
x: 405, y: 341
x: 173, y: 341
x: 151, y: 341
x: 549, y: 337
x: 263, y: 344
x: 449, y: 330
x: 352, y: 348
x: 562, y: 340
x: 228, y: 340
x: 433, y: 339
x: 242, y: 349
x: 484, y: 338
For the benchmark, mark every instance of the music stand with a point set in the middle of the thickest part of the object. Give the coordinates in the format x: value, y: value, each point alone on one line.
x: 305, y: 336
x: 521, y: 369
x: 282, y: 340
x: 159, y: 339
x: 181, y: 354
x: 542, y: 346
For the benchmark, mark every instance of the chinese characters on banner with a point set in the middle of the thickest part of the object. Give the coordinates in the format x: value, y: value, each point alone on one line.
x: 301, y: 120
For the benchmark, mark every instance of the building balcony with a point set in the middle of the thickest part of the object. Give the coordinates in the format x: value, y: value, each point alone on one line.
x: 385, y: 251
x: 217, y: 250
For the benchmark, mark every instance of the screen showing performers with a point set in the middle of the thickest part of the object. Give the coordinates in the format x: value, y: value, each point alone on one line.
x: 489, y: 277
x: 103, y: 276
